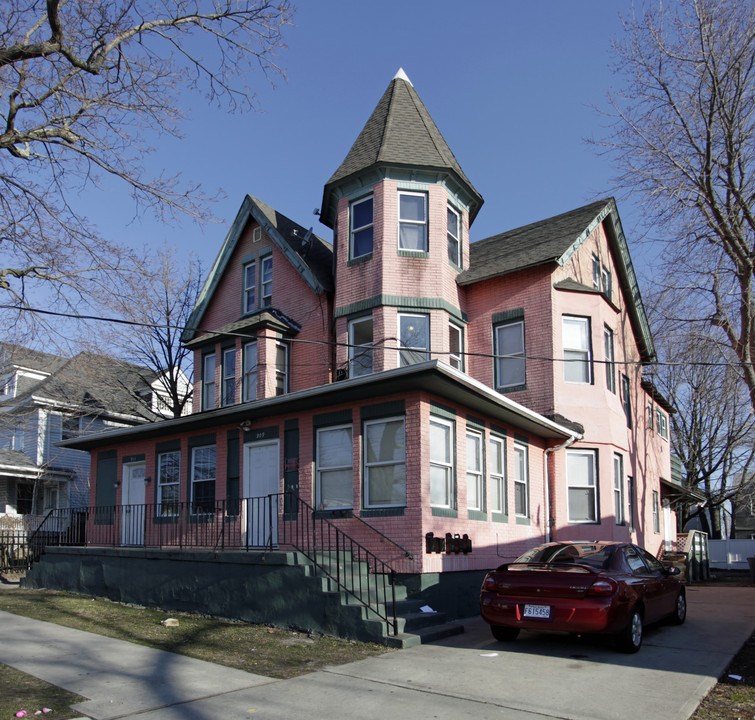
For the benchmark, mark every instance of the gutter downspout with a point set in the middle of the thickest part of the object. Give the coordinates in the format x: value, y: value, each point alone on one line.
x: 549, y: 515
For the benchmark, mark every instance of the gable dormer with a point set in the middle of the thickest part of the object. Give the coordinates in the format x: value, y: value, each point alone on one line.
x: 400, y: 207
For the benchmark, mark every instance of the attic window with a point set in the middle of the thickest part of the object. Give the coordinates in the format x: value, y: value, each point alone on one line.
x: 69, y: 427
x: 257, y: 234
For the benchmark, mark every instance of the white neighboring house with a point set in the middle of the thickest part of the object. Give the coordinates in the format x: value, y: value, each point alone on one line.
x: 46, y: 398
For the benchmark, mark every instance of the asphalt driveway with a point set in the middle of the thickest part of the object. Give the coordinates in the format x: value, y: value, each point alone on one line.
x: 467, y: 676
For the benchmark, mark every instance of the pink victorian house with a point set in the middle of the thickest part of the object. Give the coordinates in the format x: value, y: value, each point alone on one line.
x: 445, y: 404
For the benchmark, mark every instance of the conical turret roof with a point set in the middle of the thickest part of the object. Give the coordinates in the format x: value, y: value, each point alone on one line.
x: 400, y: 133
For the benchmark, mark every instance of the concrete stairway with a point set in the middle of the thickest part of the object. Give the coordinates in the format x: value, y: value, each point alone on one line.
x: 363, y: 605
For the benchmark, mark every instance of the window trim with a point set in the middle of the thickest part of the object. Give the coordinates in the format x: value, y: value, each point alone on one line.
x: 448, y: 466
x: 423, y: 223
x: 412, y: 348
x: 477, y: 475
x: 456, y: 360
x: 618, y: 489
x: 266, y: 286
x: 456, y: 238
x: 319, y: 467
x: 359, y: 349
x: 587, y: 352
x: 228, y: 382
x: 250, y: 271
x: 498, y: 479
x: 208, y: 387
x: 354, y: 230
x: 160, y: 510
x: 366, y: 466
x: 610, y: 357
x: 521, y: 450
x: 593, y: 454
x: 247, y: 374
x: 193, y: 480
x: 284, y: 373
x: 500, y: 357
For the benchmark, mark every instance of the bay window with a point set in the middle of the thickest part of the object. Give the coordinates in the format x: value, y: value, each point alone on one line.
x: 581, y: 479
x: 384, y: 463
x: 361, y: 233
x: 577, y: 353
x: 414, y: 339
x: 335, y: 468
x: 442, y: 463
x: 360, y: 347
x: 510, y: 363
x: 475, y: 485
x: 412, y: 221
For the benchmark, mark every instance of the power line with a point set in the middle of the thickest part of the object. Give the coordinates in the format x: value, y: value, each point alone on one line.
x: 491, y: 356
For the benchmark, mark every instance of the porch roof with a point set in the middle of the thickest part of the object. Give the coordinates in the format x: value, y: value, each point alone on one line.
x: 434, y: 377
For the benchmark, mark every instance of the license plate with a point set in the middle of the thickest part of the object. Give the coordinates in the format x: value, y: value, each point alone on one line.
x: 537, y: 611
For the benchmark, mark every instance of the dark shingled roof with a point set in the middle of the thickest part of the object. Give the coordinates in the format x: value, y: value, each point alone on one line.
x: 15, y: 458
x: 399, y: 133
x: 90, y: 382
x: 534, y: 244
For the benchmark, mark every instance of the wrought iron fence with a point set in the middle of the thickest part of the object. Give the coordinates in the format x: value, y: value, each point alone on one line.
x: 280, y: 520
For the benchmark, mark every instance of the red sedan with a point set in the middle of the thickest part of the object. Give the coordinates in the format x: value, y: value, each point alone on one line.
x: 583, y: 587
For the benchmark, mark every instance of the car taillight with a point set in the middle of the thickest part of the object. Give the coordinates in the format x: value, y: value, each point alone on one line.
x: 602, y: 587
x: 489, y: 584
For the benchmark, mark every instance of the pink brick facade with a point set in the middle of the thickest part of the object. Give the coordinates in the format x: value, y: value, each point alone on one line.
x: 424, y: 437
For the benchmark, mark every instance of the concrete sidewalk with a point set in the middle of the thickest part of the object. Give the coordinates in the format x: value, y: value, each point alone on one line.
x: 467, y: 676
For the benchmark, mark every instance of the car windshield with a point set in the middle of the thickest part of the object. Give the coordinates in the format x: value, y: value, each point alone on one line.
x: 596, y: 556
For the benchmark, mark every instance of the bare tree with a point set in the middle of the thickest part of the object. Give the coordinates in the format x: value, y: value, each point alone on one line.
x: 684, y: 139
x: 83, y: 84
x: 713, y: 428
x: 154, y: 302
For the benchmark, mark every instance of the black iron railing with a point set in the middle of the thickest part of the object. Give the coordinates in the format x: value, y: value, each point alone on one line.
x: 281, y: 520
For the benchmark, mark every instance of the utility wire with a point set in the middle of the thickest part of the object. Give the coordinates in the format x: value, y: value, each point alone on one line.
x: 491, y: 356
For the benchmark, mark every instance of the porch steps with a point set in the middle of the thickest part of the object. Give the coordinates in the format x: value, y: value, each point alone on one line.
x: 414, y: 626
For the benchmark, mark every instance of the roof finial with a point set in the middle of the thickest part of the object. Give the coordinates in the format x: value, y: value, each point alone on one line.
x: 401, y: 75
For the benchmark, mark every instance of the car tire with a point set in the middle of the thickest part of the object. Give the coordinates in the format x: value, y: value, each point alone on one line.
x: 629, y: 640
x: 680, y: 609
x: 504, y: 634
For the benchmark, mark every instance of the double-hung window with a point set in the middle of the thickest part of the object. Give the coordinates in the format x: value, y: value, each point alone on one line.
x: 250, y: 287
x: 249, y: 381
x: 651, y: 415
x: 510, y: 363
x: 266, y: 281
x: 168, y: 477
x: 626, y: 399
x: 455, y: 346
x: 414, y: 339
x: 618, y: 488
x: 335, y: 468
x: 203, y: 473
x: 360, y: 346
x: 596, y: 272
x: 453, y: 233
x: 475, y: 485
x: 208, y: 382
x: 581, y: 480
x: 229, y: 376
x: 497, y: 468
x: 361, y: 235
x: 610, y: 359
x: 412, y: 221
x: 605, y: 281
x: 384, y: 463
x: 661, y: 423
x: 521, y: 480
x: 656, y: 512
x: 442, y: 463
x: 630, y: 501
x: 281, y: 368
x: 577, y: 354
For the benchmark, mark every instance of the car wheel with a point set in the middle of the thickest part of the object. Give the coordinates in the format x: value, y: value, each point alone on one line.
x: 680, y: 609
x: 504, y: 634
x: 629, y: 640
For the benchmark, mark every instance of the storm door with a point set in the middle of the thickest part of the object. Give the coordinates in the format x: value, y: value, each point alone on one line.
x: 262, y: 486
x: 132, y: 501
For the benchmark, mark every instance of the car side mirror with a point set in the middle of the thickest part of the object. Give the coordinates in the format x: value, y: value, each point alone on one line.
x: 673, y: 570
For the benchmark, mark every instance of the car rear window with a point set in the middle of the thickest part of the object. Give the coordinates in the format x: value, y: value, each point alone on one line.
x: 596, y: 556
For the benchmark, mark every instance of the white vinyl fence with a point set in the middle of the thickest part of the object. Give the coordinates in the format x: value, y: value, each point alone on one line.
x: 730, y: 554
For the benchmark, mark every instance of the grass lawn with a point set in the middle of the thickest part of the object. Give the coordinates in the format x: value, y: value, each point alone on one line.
x: 259, y: 649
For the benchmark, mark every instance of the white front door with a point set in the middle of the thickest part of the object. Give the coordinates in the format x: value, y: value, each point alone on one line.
x: 132, y: 501
x: 262, y: 483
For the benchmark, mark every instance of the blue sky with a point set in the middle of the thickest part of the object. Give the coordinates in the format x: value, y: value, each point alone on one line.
x: 509, y: 84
